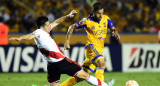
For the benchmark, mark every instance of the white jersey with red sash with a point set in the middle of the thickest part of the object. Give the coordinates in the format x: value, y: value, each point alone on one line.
x: 47, y: 46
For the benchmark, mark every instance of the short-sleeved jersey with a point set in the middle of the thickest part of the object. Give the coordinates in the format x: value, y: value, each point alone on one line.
x: 96, y: 31
x: 47, y: 46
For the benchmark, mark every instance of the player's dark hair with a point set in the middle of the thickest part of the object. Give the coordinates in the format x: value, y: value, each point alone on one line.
x: 41, y: 21
x: 1, y: 19
x: 97, y: 6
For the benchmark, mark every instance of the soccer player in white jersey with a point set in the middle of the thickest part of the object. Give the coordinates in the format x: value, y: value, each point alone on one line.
x: 57, y: 63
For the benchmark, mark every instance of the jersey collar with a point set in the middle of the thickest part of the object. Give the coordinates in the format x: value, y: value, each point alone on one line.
x: 91, y: 17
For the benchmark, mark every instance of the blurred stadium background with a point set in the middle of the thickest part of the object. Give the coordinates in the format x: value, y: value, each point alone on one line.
x: 135, y: 56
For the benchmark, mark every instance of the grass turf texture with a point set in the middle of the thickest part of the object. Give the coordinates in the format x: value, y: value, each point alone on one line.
x: 39, y: 79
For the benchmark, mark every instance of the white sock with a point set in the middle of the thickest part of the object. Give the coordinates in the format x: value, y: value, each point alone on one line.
x: 94, y: 81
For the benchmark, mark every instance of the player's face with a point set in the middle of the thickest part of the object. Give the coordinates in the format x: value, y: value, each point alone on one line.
x: 98, y: 14
x: 47, y: 26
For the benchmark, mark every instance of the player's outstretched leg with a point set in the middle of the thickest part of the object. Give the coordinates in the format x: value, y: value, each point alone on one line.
x: 92, y: 80
x: 74, y: 80
x: 69, y: 82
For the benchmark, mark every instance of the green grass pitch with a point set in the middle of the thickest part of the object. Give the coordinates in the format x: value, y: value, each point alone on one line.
x: 39, y: 79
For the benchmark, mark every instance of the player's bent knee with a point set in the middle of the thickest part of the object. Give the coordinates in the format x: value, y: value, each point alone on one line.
x: 82, y: 75
x: 87, y: 71
x: 101, y: 63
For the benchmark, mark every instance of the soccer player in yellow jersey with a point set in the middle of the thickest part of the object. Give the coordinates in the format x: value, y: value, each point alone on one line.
x: 95, y: 25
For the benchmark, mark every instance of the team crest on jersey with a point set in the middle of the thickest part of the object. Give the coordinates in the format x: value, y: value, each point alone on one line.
x: 93, y: 27
x: 38, y: 36
x: 104, y: 24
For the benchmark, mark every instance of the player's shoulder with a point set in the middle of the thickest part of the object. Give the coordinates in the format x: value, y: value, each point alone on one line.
x: 106, y: 16
x: 83, y: 20
x: 37, y: 31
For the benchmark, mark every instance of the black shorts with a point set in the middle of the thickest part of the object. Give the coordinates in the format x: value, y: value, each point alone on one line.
x: 66, y: 66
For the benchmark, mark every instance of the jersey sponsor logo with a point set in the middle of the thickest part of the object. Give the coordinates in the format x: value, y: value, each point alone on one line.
x: 99, y: 32
x: 29, y: 59
x: 21, y: 59
x: 76, y: 25
x: 141, y: 58
x: 93, y: 27
x: 100, y: 38
x: 111, y: 24
x: 104, y: 24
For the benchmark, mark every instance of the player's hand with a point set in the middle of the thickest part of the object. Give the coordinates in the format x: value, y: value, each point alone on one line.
x: 66, y: 45
x: 15, y: 38
x: 72, y: 13
x: 115, y: 34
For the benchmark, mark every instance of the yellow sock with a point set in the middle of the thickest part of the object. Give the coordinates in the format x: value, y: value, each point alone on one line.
x: 100, y: 74
x: 69, y: 82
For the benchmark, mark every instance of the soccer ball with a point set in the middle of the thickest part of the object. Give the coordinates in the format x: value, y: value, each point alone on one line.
x: 131, y: 83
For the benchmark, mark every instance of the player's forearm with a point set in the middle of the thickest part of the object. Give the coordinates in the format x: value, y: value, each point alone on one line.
x: 58, y: 21
x: 26, y: 37
x: 61, y: 19
x: 69, y: 33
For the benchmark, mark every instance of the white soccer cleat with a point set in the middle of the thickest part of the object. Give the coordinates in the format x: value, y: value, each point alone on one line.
x: 111, y: 82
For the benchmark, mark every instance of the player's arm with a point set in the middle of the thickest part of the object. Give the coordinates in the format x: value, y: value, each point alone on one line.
x: 69, y: 33
x: 61, y: 19
x: 24, y: 37
x: 115, y: 32
x: 77, y: 25
x: 113, y: 29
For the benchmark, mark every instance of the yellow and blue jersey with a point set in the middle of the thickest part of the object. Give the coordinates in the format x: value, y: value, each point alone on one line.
x: 96, y: 31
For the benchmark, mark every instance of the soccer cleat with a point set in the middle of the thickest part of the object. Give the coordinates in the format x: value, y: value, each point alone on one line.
x: 111, y: 82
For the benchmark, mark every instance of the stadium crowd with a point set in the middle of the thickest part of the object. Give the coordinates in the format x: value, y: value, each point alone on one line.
x: 129, y: 16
